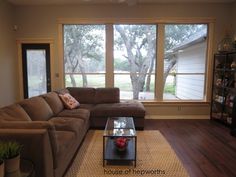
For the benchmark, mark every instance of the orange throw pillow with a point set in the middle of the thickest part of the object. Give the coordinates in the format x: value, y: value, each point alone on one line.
x: 69, y: 101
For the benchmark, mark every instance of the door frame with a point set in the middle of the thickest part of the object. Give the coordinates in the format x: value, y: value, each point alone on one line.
x: 30, y: 46
x: 20, y: 63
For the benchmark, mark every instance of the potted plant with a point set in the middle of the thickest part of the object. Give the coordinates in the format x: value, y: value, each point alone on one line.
x: 1, y: 159
x: 12, y: 156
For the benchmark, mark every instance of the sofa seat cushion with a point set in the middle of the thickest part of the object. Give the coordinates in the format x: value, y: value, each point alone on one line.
x: 62, y: 91
x: 76, y: 113
x: 68, y: 124
x: 14, y: 112
x: 65, y: 140
x: 128, y: 108
x: 37, y: 108
x: 87, y: 106
x: 54, y: 102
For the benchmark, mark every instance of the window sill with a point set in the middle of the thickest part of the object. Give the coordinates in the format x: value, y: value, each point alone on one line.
x: 174, y: 103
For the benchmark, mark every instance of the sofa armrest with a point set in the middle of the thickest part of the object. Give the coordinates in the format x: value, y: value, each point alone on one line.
x: 34, y: 125
x: 36, y: 147
x: 26, y: 124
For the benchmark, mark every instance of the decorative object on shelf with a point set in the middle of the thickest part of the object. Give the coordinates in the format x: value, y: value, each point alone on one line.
x: 233, y: 65
x: 121, y: 144
x: 12, y: 156
x: 229, y: 120
x: 226, y: 44
x: 218, y: 82
x: 229, y: 100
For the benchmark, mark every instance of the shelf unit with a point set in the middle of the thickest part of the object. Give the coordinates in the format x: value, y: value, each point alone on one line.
x: 223, y: 105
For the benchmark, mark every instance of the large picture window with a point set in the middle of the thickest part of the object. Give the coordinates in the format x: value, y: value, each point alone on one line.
x: 135, y: 56
x: 134, y: 60
x: 184, y: 61
x: 84, y: 55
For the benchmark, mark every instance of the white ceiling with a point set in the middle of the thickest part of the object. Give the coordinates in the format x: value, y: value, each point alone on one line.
x: 62, y: 2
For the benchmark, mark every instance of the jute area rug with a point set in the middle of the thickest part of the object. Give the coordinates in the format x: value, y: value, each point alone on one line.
x: 155, y: 157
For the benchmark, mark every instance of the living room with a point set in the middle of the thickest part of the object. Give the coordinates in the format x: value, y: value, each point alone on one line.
x: 38, y: 22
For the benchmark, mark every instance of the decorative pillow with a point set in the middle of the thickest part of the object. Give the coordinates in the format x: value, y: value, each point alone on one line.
x: 69, y: 101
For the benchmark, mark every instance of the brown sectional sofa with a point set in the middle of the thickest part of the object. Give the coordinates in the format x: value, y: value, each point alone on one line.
x: 104, y: 103
x: 51, y: 134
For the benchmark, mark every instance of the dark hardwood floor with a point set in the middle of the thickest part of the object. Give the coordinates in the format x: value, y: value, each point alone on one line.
x: 205, y: 147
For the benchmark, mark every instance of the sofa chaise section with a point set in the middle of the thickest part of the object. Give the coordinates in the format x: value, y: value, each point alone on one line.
x: 104, y: 103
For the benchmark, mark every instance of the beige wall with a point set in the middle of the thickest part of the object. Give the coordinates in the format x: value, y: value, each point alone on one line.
x: 8, y: 77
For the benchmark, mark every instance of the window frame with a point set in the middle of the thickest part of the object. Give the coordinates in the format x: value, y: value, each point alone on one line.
x: 109, y: 78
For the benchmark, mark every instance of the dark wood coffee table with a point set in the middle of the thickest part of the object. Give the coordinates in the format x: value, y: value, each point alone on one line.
x: 119, y: 127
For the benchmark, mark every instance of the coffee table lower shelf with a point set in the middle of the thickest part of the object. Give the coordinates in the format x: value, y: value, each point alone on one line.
x: 112, y: 156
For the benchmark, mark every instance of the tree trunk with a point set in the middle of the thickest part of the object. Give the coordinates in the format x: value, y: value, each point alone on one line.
x: 85, y: 81
x: 168, y: 68
x: 138, y: 70
x: 148, y: 82
x: 84, y: 76
x: 72, y: 79
x: 149, y: 75
x: 151, y: 56
x: 136, y: 86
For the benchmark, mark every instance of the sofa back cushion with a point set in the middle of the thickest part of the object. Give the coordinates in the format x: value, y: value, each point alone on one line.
x: 54, y: 102
x: 107, y: 95
x: 14, y: 112
x: 62, y: 91
x: 83, y: 95
x: 37, y: 108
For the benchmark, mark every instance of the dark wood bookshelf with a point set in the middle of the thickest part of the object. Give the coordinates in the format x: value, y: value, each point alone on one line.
x: 223, y: 104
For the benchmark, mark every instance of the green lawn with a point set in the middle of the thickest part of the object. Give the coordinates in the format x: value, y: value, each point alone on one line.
x: 93, y: 81
x: 169, y: 88
x: 121, y: 81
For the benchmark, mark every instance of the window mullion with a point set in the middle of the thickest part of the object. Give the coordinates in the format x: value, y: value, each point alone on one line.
x: 160, y: 62
x: 109, y: 56
x: 209, y: 63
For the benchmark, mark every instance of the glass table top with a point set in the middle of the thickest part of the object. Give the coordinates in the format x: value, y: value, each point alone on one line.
x: 120, y: 126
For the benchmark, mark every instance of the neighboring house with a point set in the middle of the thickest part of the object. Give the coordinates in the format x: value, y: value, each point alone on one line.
x: 190, y: 67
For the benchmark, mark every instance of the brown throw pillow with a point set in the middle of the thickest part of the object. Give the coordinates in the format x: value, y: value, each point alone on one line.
x: 69, y: 101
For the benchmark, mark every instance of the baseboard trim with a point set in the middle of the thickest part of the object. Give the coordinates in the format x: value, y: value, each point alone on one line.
x: 177, y: 117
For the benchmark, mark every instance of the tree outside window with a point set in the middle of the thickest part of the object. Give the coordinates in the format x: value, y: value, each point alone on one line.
x: 134, y: 60
x: 84, y: 55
